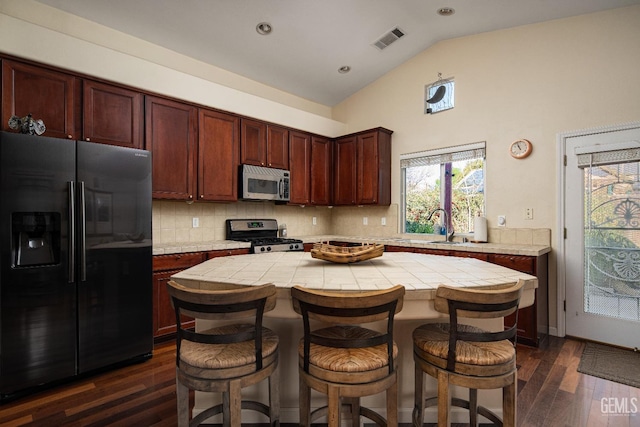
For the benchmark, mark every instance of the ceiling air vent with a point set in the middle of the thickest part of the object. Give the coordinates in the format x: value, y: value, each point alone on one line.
x: 388, y: 38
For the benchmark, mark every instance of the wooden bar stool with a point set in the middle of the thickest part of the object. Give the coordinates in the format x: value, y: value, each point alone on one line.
x: 343, y: 360
x: 468, y: 356
x: 226, y: 358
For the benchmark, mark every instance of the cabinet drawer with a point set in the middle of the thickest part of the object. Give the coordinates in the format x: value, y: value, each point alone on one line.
x: 176, y: 261
x: 525, y: 264
x: 227, y: 252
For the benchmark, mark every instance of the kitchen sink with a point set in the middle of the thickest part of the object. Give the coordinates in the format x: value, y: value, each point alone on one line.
x: 443, y: 242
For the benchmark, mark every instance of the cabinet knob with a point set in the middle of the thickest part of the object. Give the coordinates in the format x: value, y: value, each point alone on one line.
x: 70, y: 136
x: 202, y: 196
x: 88, y: 139
x: 191, y: 196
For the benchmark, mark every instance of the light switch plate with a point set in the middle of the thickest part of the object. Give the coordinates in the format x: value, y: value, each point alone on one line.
x: 195, y: 222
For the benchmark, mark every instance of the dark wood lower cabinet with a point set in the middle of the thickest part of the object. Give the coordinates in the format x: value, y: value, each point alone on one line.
x: 165, y: 266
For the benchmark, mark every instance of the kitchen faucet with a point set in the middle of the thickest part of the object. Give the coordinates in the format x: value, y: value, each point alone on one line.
x: 447, y: 236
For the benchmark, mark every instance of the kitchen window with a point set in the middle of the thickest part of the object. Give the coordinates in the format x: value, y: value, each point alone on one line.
x: 448, y: 178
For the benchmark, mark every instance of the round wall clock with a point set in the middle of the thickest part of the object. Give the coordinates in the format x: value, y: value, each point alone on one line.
x: 520, y: 149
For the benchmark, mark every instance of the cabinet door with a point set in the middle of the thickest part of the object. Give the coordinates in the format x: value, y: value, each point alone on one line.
x: 300, y: 167
x: 344, y: 184
x: 47, y: 95
x: 112, y: 115
x: 277, y: 147
x: 321, y: 169
x: 527, y: 317
x: 164, y: 318
x: 218, y: 156
x: 253, y: 142
x: 374, y: 168
x: 171, y: 136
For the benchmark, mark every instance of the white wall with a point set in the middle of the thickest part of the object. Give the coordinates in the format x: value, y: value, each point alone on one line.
x: 528, y: 82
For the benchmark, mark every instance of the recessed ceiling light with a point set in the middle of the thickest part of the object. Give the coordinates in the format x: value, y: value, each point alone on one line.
x: 344, y: 69
x: 264, y: 28
x: 446, y: 11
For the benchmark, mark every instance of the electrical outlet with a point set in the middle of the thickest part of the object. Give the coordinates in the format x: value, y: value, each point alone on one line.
x: 195, y: 222
x: 383, y: 221
x: 502, y: 220
x: 528, y: 213
x: 365, y: 220
x: 314, y: 221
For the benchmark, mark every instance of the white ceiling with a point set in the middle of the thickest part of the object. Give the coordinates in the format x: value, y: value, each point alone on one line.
x: 311, y: 39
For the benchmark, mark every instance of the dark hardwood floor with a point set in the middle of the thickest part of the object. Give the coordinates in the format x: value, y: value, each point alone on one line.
x: 550, y: 393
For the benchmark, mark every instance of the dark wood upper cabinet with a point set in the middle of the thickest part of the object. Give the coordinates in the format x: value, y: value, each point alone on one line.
x: 218, y: 155
x: 321, y: 170
x: 373, y: 184
x: 300, y: 168
x: 277, y: 147
x: 253, y: 142
x: 344, y: 181
x: 263, y: 144
x: 363, y: 168
x: 112, y: 115
x: 171, y: 134
x: 49, y: 95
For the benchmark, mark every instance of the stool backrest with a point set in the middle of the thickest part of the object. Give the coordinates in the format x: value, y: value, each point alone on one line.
x: 494, y: 302
x: 222, y: 304
x: 348, y: 308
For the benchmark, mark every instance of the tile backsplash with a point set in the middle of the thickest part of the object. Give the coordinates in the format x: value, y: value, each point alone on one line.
x: 173, y: 222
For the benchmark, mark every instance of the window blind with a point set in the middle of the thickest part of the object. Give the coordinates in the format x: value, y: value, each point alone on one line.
x: 444, y: 155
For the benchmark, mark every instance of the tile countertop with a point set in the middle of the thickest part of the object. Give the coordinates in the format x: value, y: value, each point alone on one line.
x: 497, y: 248
x: 421, y: 274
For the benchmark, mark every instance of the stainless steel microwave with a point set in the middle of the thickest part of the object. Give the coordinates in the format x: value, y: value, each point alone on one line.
x: 258, y: 183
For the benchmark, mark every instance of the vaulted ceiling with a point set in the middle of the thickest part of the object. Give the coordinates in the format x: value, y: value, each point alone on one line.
x: 312, y: 39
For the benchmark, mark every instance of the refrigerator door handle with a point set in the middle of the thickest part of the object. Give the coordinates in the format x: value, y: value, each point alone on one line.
x: 72, y: 231
x: 82, y: 250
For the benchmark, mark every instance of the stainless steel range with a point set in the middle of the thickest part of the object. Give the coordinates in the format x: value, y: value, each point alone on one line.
x: 263, y: 235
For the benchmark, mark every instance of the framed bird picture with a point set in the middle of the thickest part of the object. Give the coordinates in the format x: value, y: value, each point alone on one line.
x: 439, y: 95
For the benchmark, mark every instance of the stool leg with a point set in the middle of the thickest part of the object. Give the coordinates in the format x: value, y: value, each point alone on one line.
x: 274, y: 397
x: 235, y: 404
x: 418, y: 408
x: 304, y: 402
x: 182, y: 397
x: 392, y: 404
x: 334, y: 407
x: 473, y: 407
x: 354, y: 405
x: 226, y: 404
x: 509, y: 405
x: 444, y: 402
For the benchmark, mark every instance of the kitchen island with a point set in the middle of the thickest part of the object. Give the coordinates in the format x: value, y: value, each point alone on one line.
x: 421, y: 274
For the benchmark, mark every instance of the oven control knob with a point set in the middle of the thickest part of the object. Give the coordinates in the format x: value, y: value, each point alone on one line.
x: 262, y: 249
x: 268, y: 248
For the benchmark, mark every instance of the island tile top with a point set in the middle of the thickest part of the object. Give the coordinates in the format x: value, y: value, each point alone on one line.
x: 414, y: 271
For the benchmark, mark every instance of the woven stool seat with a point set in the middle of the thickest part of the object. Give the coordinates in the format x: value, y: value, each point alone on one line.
x: 222, y: 356
x: 432, y: 343
x: 348, y: 359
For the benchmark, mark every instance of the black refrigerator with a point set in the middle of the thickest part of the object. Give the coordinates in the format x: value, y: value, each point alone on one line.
x: 75, y: 259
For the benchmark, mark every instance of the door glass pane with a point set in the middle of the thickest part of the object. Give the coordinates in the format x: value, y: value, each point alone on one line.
x: 612, y: 240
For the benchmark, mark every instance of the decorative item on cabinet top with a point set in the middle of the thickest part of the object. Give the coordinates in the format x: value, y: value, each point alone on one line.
x: 27, y: 125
